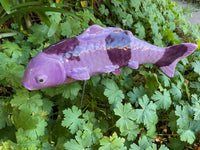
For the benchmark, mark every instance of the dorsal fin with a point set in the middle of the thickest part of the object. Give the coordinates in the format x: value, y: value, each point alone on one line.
x: 62, y: 46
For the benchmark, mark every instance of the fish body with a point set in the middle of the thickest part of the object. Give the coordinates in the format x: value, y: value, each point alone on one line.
x: 98, y: 50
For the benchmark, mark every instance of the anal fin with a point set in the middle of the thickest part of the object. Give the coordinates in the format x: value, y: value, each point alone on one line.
x: 169, y: 70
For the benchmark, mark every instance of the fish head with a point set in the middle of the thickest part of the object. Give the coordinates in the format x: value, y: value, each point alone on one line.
x: 43, y: 71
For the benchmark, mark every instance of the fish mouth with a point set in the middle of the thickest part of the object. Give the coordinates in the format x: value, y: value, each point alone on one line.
x: 26, y: 85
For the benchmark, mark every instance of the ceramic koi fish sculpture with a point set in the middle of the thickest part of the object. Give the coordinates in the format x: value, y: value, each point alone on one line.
x: 98, y: 50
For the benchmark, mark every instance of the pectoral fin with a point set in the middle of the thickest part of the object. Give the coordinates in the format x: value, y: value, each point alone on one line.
x: 79, y: 74
x: 133, y: 64
x: 108, y: 69
x: 117, y: 71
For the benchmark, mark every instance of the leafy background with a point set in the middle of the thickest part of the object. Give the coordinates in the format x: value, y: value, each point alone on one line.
x: 136, y: 110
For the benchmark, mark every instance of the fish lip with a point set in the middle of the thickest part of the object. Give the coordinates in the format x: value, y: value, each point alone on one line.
x: 26, y: 86
x: 30, y: 89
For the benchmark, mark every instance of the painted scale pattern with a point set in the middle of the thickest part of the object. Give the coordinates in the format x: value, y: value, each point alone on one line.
x: 98, y: 50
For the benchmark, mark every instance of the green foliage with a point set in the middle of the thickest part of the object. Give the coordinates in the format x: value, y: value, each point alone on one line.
x: 147, y: 115
x: 113, y: 142
x: 112, y: 91
x: 144, y: 143
x: 17, y: 10
x: 126, y: 123
x: 72, y: 119
x: 163, y: 101
x: 187, y: 135
x: 131, y: 110
x: 196, y: 66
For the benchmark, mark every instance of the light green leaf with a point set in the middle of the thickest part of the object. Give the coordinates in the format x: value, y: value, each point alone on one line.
x: 143, y: 144
x: 72, y: 120
x: 196, y: 66
x: 135, y: 4
x: 126, y: 122
x: 131, y: 131
x: 128, y: 21
x: 126, y: 112
x: 184, y: 116
x: 30, y: 137
x: 95, y: 134
x: 162, y: 100
x: 112, y: 143
x: 136, y: 94
x: 152, y: 147
x: 11, y: 49
x: 90, y: 117
x: 187, y: 135
x: 40, y: 127
x: 103, y: 10
x: 140, y: 30
x: 47, y: 146
x: 15, y: 74
x: 164, y: 79
x: 196, y: 109
x: 147, y: 114
x: 24, y: 138
x: 26, y: 101
x: 112, y: 91
x: 75, y: 26
x: 39, y: 34
x: 158, y: 40
x: 163, y: 147
x: 66, y: 29
x: 81, y: 142
x: 176, y: 93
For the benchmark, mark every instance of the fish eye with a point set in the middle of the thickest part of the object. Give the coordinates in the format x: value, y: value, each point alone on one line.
x: 41, y: 78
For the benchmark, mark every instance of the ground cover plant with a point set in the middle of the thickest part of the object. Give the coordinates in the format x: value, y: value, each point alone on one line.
x: 136, y: 110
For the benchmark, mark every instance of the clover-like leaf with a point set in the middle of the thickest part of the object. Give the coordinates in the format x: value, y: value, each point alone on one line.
x: 112, y: 91
x: 187, y: 135
x: 162, y: 100
x: 147, y: 114
x: 196, y: 66
x: 72, y: 120
x: 126, y: 122
x: 81, y: 141
x: 112, y: 143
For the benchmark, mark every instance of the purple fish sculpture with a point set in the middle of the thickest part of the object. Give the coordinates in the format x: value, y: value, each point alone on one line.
x: 98, y: 50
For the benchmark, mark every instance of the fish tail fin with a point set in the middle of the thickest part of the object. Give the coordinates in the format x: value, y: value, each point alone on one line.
x: 173, y: 55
